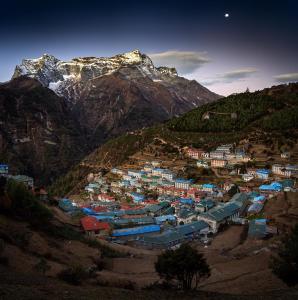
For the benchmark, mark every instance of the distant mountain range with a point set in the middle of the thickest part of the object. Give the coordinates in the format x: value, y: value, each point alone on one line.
x: 57, y: 110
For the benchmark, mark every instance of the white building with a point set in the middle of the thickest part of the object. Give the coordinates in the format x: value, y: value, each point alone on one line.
x: 182, y: 184
x: 167, y: 174
x: 157, y: 171
x: 135, y: 173
x: 247, y: 177
x: 286, y: 171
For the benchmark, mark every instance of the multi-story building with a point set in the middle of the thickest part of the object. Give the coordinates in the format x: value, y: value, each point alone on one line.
x: 262, y: 174
x: 135, y: 173
x: 194, y: 153
x: 157, y: 171
x: 217, y: 154
x: 167, y: 174
x: 218, y: 163
x: 181, y: 183
x: 286, y: 171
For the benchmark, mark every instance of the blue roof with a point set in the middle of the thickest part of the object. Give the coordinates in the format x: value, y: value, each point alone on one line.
x: 259, y: 198
x: 274, y: 186
x: 209, y: 185
x: 165, y: 218
x: 263, y: 171
x: 137, y: 197
x: 182, y: 180
x: 186, y: 200
x: 136, y: 230
x: 66, y: 205
x: 88, y: 211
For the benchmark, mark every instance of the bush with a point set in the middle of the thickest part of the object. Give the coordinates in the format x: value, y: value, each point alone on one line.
x: 74, y: 275
x: 42, y: 266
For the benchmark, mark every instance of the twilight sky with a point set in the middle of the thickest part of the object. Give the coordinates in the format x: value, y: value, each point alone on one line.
x: 255, y: 47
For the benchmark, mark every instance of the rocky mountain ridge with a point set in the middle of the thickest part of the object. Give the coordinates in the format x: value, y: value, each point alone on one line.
x: 110, y: 96
x: 63, y: 77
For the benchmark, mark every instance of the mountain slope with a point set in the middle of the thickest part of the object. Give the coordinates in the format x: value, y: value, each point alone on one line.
x: 270, y: 112
x: 110, y: 96
x: 38, y: 137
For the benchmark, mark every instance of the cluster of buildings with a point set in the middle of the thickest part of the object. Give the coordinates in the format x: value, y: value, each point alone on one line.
x: 26, y: 180
x: 222, y: 156
x: 152, y: 208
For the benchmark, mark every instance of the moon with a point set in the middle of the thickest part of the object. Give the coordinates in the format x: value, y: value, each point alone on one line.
x: 227, y: 15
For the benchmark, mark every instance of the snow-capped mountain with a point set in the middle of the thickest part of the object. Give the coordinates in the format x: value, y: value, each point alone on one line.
x: 64, y: 78
x: 109, y: 96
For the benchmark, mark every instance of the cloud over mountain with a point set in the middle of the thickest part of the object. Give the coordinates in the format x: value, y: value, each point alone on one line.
x: 185, y: 62
x: 231, y: 76
x: 287, y: 77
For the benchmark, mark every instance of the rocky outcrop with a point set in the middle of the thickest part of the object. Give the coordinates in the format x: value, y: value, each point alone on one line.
x: 38, y: 135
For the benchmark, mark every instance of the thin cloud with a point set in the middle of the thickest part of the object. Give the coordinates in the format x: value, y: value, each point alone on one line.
x: 229, y: 77
x: 288, y: 77
x: 185, y: 62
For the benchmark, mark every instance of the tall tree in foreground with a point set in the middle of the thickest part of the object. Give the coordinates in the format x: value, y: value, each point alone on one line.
x: 285, y: 265
x: 184, y: 264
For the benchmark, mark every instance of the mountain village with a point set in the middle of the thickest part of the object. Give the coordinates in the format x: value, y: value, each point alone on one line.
x: 146, y: 204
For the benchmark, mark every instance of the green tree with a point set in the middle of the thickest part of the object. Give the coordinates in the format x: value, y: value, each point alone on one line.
x: 184, y: 264
x: 42, y: 266
x: 24, y: 204
x: 285, y: 265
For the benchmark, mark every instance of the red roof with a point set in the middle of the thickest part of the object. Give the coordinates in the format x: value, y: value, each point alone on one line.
x: 92, y: 224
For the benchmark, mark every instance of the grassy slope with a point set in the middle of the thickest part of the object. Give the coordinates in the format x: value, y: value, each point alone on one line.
x: 273, y: 110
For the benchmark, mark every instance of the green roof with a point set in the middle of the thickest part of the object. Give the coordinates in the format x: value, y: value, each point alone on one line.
x: 191, y: 227
x: 164, y: 238
x: 220, y: 213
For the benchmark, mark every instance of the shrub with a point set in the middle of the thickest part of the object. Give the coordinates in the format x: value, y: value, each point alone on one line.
x: 74, y: 275
x: 42, y: 266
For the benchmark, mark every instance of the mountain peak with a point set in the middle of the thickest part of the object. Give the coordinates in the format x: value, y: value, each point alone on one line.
x: 61, y: 76
x: 75, y: 78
